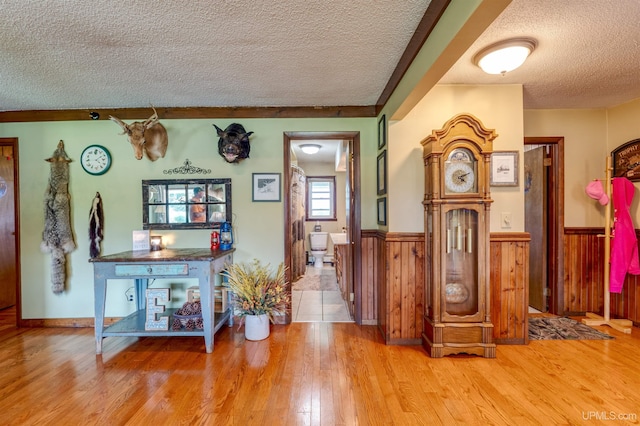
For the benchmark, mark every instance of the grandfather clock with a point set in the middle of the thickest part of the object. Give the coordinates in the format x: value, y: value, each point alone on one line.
x: 457, y: 200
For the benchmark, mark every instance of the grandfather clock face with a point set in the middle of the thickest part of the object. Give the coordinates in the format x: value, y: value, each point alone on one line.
x: 460, y: 172
x: 460, y: 289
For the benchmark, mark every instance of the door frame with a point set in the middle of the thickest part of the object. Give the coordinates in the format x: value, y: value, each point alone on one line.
x: 354, y: 233
x: 555, y: 225
x: 13, y: 142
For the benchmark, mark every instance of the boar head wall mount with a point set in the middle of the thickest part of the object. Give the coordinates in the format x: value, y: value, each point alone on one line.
x: 233, y: 144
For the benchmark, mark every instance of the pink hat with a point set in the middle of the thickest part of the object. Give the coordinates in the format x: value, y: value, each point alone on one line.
x: 596, y: 191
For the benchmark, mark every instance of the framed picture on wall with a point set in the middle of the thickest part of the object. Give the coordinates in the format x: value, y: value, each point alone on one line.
x: 382, y: 173
x: 382, y: 211
x: 266, y: 187
x: 382, y: 132
x: 504, y: 168
x: 626, y: 160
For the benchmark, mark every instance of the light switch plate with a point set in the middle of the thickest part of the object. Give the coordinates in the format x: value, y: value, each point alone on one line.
x: 505, y: 220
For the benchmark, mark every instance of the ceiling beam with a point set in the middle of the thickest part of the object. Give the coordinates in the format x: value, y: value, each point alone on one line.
x: 189, y: 113
x: 431, y: 17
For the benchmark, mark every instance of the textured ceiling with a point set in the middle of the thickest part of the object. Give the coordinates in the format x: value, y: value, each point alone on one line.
x: 124, y: 54
x: 588, y: 53
x: 243, y: 53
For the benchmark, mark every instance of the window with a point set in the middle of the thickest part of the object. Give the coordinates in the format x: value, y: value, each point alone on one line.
x: 185, y: 204
x: 321, y: 198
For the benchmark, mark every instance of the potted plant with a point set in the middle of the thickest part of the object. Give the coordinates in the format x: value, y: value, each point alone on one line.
x: 257, y: 295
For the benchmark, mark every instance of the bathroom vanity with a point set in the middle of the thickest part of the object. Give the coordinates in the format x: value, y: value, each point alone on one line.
x: 341, y: 256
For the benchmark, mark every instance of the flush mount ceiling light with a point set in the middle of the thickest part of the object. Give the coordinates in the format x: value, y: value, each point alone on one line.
x: 504, y: 56
x: 310, y: 148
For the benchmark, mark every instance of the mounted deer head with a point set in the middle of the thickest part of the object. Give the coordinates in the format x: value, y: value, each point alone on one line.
x: 149, y: 136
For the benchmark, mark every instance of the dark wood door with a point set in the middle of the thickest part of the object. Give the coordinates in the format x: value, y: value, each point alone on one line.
x: 8, y: 237
x: 535, y: 198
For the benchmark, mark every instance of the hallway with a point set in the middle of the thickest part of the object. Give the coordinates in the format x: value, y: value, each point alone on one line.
x: 316, y: 297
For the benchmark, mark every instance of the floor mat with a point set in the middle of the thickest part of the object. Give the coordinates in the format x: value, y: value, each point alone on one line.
x: 561, y: 328
x: 321, y: 279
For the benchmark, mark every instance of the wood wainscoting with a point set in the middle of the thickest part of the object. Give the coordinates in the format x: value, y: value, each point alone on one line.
x: 393, y: 276
x: 510, y: 287
x: 401, y: 288
x: 584, y: 278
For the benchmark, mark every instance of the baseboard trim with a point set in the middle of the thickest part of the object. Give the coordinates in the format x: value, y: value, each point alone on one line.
x: 63, y: 322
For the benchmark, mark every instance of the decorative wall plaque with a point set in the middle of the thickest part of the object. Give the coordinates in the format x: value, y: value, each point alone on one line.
x: 186, y: 169
x: 626, y: 160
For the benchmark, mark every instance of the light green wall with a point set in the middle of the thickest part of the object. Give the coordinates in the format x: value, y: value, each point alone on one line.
x: 258, y: 227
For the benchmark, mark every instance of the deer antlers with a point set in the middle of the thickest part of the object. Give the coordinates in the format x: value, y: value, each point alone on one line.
x: 148, y: 137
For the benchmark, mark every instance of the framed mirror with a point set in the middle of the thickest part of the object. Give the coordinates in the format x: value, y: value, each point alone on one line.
x: 185, y: 203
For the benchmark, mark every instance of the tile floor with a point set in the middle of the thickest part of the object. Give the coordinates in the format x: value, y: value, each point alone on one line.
x: 318, y: 306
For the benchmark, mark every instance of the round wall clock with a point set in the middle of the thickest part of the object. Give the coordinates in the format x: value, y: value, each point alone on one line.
x: 95, y: 160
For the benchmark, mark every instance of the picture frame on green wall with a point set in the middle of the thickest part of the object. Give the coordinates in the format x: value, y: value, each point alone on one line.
x: 382, y: 173
x: 266, y: 187
x: 382, y: 132
x: 382, y: 211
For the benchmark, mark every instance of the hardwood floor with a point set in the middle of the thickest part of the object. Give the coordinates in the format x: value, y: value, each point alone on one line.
x: 308, y: 374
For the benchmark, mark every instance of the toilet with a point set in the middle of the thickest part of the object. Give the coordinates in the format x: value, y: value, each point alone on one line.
x: 318, y: 247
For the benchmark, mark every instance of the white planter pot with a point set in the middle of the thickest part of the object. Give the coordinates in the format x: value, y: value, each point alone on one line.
x: 256, y: 327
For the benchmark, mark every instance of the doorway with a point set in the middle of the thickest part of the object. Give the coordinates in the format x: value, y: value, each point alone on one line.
x: 544, y: 221
x: 295, y: 230
x: 9, y: 224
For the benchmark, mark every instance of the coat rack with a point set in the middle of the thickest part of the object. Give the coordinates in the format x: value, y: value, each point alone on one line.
x: 622, y: 325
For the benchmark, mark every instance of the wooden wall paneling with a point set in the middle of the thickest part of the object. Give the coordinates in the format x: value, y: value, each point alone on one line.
x: 397, y: 284
x: 625, y: 304
x: 404, y: 289
x: 584, y: 271
x: 495, y: 268
x: 381, y: 278
x: 399, y: 290
x: 394, y: 293
x: 596, y: 274
x: 370, y: 284
x: 506, y: 289
x: 408, y: 300
x: 509, y: 276
x: 584, y: 278
x: 589, y: 294
x: 521, y: 296
x: 635, y: 316
x: 376, y: 239
x: 572, y: 245
x: 420, y: 288
x: 575, y: 302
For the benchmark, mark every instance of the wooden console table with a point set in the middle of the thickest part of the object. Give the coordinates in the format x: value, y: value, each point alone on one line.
x: 141, y: 266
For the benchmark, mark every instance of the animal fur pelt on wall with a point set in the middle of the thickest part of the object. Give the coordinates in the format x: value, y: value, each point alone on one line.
x: 95, y: 226
x: 57, y: 237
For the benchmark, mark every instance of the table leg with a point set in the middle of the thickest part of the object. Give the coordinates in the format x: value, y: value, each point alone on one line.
x: 100, y: 294
x: 206, y: 303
